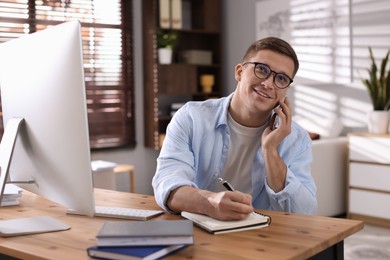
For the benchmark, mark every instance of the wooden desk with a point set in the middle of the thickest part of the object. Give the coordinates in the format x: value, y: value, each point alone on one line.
x: 290, y: 236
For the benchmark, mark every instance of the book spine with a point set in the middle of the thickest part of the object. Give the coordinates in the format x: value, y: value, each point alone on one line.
x: 177, y: 22
x: 165, y: 14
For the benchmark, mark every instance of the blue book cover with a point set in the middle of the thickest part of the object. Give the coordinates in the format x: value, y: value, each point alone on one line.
x: 132, y: 252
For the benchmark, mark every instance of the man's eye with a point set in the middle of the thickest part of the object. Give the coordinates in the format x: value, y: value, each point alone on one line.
x: 263, y: 69
x: 282, y: 78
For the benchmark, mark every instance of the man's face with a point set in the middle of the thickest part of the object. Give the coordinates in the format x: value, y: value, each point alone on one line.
x: 258, y: 95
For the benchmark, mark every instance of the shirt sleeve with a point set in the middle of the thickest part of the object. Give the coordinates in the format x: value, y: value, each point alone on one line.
x: 175, y: 164
x: 299, y: 194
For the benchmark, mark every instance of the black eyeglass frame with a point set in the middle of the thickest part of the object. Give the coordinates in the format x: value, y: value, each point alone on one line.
x: 271, y: 71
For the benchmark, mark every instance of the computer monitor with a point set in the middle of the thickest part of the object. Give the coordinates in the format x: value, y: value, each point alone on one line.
x: 42, y: 82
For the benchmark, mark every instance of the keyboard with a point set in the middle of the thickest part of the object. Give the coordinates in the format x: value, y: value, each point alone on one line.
x: 126, y: 213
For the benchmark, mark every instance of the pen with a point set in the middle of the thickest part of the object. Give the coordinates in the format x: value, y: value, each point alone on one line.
x: 229, y: 187
x: 226, y: 184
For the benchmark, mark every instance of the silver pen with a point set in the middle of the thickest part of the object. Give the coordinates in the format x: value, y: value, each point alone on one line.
x: 226, y: 184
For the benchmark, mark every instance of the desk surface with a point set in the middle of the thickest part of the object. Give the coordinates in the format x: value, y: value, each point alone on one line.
x: 290, y: 236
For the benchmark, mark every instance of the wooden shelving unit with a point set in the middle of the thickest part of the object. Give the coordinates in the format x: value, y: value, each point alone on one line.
x: 178, y: 82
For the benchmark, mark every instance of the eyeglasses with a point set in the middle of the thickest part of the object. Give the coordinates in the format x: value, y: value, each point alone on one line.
x: 262, y: 71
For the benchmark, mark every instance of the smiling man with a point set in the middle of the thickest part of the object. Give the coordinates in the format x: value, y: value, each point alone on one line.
x: 247, y: 138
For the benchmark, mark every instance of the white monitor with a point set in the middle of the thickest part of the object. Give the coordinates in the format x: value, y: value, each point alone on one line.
x: 42, y: 81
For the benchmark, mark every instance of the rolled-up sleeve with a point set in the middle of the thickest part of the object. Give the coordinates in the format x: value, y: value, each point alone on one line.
x: 299, y: 194
x: 175, y: 164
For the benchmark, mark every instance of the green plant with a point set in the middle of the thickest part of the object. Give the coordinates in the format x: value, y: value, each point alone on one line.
x: 379, y: 88
x: 166, y: 38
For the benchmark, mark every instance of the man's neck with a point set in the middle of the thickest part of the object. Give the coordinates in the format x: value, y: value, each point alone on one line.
x: 245, y: 117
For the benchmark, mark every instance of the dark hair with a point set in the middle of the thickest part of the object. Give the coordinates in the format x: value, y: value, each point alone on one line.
x: 273, y: 44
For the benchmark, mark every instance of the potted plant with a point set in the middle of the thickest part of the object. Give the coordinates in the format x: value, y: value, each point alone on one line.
x: 166, y: 41
x: 378, y: 86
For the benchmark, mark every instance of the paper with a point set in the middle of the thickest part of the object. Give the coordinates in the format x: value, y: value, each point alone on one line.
x: 215, y: 226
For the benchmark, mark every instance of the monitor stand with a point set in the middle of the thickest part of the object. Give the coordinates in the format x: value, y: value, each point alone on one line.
x: 6, y: 150
x: 21, y: 226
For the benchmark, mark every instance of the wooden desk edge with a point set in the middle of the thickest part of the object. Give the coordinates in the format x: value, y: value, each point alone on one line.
x: 33, y: 204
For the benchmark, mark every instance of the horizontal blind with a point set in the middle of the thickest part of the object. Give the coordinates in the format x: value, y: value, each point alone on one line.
x: 107, y: 50
x: 320, y: 34
x: 332, y: 37
x: 371, y: 28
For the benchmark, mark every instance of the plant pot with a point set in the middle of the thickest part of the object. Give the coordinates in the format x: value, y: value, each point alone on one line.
x: 378, y: 121
x: 165, y: 55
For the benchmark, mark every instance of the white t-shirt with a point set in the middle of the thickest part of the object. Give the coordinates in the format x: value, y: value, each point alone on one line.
x: 244, y: 142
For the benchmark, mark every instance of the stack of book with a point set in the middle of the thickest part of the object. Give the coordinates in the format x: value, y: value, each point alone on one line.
x: 11, y: 195
x: 141, y: 239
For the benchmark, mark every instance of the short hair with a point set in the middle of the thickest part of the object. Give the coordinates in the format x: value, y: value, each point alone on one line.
x: 274, y: 44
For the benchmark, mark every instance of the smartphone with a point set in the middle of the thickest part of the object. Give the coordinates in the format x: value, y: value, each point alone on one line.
x: 275, y: 124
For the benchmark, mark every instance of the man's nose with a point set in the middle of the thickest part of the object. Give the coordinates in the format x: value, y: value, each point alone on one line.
x: 269, y: 80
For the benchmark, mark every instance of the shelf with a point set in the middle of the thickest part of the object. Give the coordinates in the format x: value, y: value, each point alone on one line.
x: 165, y: 84
x: 164, y: 118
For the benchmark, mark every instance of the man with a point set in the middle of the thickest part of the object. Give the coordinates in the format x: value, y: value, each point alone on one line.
x: 234, y: 138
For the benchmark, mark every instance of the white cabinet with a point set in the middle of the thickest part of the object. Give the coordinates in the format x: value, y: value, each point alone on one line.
x: 369, y: 178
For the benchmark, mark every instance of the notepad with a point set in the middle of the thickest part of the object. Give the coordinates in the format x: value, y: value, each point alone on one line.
x: 253, y: 221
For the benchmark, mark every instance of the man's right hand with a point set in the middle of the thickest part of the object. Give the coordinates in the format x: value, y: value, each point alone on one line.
x: 230, y: 205
x: 226, y: 205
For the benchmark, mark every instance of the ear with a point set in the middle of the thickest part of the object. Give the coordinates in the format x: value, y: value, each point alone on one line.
x: 238, y: 72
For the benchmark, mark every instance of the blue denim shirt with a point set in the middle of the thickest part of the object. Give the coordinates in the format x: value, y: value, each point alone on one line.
x: 196, y: 147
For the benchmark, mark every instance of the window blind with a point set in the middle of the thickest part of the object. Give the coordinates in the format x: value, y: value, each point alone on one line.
x: 371, y: 28
x: 332, y: 37
x: 320, y: 34
x: 107, y: 55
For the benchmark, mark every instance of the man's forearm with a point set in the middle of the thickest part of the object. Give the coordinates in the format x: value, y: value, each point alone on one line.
x: 188, y: 198
x: 276, y: 170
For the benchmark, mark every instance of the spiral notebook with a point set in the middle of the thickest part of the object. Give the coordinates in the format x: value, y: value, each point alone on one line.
x: 253, y: 221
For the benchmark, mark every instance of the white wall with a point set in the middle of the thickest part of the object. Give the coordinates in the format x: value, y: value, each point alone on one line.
x: 239, y: 30
x: 238, y: 33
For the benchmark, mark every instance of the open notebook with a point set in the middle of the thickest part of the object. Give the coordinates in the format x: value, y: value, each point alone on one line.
x: 253, y: 221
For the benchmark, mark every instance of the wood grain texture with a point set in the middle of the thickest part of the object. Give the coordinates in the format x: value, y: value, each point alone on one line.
x: 290, y: 236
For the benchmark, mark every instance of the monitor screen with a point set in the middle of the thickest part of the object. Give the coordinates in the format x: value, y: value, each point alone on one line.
x: 42, y: 81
